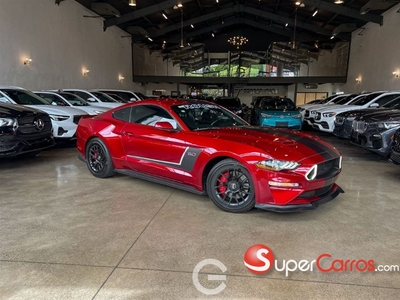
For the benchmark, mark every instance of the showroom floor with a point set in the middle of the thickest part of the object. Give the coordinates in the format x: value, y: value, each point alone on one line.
x: 67, y: 235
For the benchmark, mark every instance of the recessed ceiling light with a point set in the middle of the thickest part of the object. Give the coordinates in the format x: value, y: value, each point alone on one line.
x: 132, y: 2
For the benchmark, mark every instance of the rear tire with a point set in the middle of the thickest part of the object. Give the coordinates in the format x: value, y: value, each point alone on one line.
x: 230, y: 187
x: 98, y: 159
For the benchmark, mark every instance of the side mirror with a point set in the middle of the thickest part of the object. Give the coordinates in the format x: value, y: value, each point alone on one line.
x: 164, y: 125
x: 374, y: 105
x: 90, y: 99
x: 133, y: 99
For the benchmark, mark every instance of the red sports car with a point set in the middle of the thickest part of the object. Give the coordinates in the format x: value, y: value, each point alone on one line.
x: 204, y: 148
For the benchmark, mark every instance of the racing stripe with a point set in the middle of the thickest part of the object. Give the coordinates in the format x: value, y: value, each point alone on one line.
x: 325, y: 151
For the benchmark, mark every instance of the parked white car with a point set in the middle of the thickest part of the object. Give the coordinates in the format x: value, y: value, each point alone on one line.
x: 99, y: 100
x: 69, y: 99
x: 306, y: 109
x: 125, y: 94
x: 325, y: 118
x: 64, y: 119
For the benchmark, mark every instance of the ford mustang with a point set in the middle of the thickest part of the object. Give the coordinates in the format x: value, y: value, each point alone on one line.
x: 204, y: 148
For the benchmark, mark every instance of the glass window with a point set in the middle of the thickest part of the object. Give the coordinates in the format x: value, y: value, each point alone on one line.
x: 150, y: 115
x: 385, y: 99
x: 24, y: 97
x: 103, y: 97
x: 202, y: 115
x: 123, y: 114
x: 281, y: 104
x: 73, y: 99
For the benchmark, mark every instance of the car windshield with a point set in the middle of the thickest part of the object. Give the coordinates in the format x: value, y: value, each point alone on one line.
x: 395, y: 103
x: 201, y: 116
x: 281, y: 104
x: 366, y: 98
x: 74, y: 99
x: 228, y: 102
x: 141, y: 96
x: 103, y: 97
x: 24, y: 97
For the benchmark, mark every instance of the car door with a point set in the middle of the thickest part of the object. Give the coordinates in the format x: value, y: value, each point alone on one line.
x: 153, y: 150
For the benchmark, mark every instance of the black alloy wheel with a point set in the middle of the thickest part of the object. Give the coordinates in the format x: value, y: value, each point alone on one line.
x: 98, y: 159
x: 230, y: 187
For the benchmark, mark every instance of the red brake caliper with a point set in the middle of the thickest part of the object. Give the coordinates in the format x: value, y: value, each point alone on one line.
x: 223, y: 179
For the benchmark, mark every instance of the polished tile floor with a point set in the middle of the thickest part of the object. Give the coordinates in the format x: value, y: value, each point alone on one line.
x: 67, y: 235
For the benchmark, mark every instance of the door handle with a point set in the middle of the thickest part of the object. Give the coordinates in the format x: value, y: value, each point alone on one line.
x: 127, y: 133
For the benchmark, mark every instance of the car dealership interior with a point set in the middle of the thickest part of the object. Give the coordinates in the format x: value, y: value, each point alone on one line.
x: 199, y: 149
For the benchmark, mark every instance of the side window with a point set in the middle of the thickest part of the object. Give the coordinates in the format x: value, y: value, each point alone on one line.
x: 150, y: 115
x: 122, y: 114
x: 81, y: 94
x: 386, y: 99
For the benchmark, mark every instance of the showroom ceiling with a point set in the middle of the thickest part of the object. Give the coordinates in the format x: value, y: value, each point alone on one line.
x: 192, y: 27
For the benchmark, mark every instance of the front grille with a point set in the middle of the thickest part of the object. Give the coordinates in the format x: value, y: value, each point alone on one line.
x: 307, y: 114
x: 315, y: 193
x: 396, y: 142
x: 26, y: 124
x: 318, y: 116
x: 395, y: 157
x: 359, y: 126
x: 281, y: 124
x: 76, y: 119
x: 328, y: 168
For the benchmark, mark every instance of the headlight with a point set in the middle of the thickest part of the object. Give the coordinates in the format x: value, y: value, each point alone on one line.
x: 339, y: 120
x: 388, y: 125
x: 239, y: 112
x: 59, y: 117
x: 298, y: 116
x: 329, y: 114
x: 8, y: 122
x: 277, y: 165
x: 313, y: 112
x: 265, y: 115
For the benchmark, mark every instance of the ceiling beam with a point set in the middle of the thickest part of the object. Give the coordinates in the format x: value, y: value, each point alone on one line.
x: 141, y: 13
x: 345, y: 11
x: 252, y: 11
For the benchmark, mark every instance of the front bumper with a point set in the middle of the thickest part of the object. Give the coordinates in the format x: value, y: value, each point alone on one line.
x: 282, y: 123
x: 329, y: 196
x: 324, y: 124
x: 376, y: 141
x: 14, y: 146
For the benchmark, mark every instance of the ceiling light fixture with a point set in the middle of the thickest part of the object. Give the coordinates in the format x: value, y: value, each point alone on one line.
x: 338, y: 2
x: 27, y: 61
x: 132, y: 2
x: 191, y: 25
x: 150, y: 39
x: 238, y: 41
x: 165, y: 16
x: 181, y: 45
x: 315, y: 13
x: 212, y: 34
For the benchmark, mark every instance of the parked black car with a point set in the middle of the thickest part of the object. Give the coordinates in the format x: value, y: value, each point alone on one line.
x: 374, y: 131
x: 395, y: 151
x: 23, y: 130
x: 231, y: 103
x: 344, y: 120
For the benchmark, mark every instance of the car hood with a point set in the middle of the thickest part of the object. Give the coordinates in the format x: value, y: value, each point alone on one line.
x: 59, y: 110
x: 14, y: 110
x: 340, y: 108
x: 385, y: 116
x: 360, y: 112
x: 278, y: 143
x: 280, y: 113
x: 93, y: 110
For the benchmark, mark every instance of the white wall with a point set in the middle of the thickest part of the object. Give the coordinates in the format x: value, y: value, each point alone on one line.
x: 375, y: 55
x: 61, y: 43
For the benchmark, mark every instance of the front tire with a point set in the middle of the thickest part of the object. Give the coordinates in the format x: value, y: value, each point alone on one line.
x: 230, y: 187
x: 98, y: 159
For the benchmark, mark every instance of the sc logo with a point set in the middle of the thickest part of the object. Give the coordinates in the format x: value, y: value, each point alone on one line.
x: 199, y: 286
